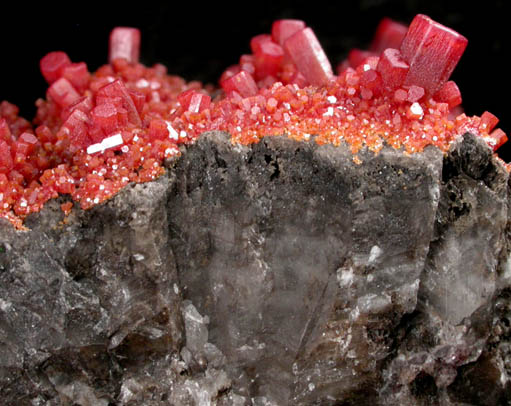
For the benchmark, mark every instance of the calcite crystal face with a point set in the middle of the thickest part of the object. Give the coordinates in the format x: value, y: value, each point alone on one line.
x: 278, y: 273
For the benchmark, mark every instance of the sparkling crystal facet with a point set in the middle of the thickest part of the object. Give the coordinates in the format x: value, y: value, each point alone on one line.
x: 309, y: 57
x: 432, y: 51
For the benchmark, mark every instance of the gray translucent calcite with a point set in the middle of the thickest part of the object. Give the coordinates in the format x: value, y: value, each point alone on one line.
x: 282, y: 273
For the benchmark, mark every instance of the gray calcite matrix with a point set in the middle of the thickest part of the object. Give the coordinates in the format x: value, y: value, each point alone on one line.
x: 281, y: 273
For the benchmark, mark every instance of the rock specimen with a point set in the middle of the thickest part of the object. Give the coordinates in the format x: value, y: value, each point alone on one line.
x: 272, y: 274
x: 301, y: 237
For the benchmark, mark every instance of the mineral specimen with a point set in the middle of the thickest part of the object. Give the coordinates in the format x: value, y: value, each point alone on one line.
x: 362, y: 259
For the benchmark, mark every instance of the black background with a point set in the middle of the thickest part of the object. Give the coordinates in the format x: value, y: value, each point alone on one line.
x: 198, y: 40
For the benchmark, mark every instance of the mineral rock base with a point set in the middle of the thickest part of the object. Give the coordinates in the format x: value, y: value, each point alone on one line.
x: 281, y: 273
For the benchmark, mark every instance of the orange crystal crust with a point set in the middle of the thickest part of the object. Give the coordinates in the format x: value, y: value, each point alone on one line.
x: 128, y: 118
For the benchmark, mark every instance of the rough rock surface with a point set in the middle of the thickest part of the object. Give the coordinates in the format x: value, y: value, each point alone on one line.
x: 282, y: 273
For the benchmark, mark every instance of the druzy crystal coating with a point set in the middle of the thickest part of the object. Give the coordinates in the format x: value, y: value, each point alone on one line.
x: 95, y: 133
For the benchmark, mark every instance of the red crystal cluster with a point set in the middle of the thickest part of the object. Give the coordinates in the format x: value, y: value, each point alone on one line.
x: 95, y: 133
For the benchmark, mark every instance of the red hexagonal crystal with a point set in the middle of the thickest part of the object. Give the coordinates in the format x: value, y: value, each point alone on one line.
x: 6, y: 163
x: 247, y: 63
x: 499, y: 138
x: 242, y: 83
x: 389, y: 34
x: 258, y: 40
x: 283, y: 29
x: 228, y: 73
x: 449, y: 93
x: 415, y: 93
x: 357, y: 56
x: 75, y: 128
x: 53, y: 64
x: 77, y: 74
x: 116, y: 92
x: 309, y: 57
x: 392, y: 68
x: 28, y: 141
x: 83, y: 103
x: 124, y: 43
x: 267, y: 59
x: 107, y: 117
x: 63, y: 92
x: 5, y: 131
x: 432, y: 51
x: 193, y: 101
x: 158, y: 129
x: 488, y: 121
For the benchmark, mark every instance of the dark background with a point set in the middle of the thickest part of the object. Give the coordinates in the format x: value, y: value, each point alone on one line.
x: 198, y: 40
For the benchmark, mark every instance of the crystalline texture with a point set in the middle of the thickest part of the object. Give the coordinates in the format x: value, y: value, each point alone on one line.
x: 309, y: 57
x: 194, y: 101
x: 6, y: 163
x: 53, y: 64
x: 63, y: 93
x: 267, y: 59
x: 449, y: 93
x: 499, y: 137
x: 488, y: 121
x: 117, y: 90
x: 393, y: 69
x: 77, y: 74
x: 124, y: 43
x: 242, y: 83
x: 283, y: 29
x: 357, y: 56
x: 432, y: 51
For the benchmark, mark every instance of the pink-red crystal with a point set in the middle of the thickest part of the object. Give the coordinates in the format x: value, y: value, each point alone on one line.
x: 117, y: 93
x: 242, y: 83
x: 499, y: 138
x: 267, y: 59
x: 432, y: 51
x: 392, y: 68
x: 357, y: 56
x: 389, y: 34
x: 78, y: 75
x: 281, y: 30
x: 53, y: 64
x: 488, y: 121
x: 63, y: 93
x: 96, y: 133
x: 124, y: 43
x: 449, y: 93
x: 193, y: 101
x: 309, y: 57
x: 6, y: 163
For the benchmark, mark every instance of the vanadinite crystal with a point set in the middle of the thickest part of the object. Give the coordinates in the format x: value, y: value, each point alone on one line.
x: 95, y: 133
